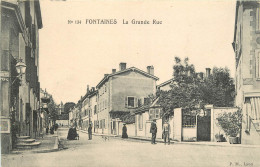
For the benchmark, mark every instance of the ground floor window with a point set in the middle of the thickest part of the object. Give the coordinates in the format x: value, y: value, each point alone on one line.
x: 154, y: 113
x: 188, y: 119
x: 102, y: 124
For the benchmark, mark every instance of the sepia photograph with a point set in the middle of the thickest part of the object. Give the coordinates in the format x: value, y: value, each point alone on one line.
x: 132, y: 83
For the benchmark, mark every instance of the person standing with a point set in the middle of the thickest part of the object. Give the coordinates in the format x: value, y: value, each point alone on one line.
x: 90, y: 132
x: 124, y: 131
x: 153, y: 130
x: 166, y: 132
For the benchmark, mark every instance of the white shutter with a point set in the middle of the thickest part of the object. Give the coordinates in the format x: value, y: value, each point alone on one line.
x: 135, y: 102
x: 126, y: 103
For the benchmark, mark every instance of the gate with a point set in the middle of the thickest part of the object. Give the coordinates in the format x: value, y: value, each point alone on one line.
x: 203, y: 128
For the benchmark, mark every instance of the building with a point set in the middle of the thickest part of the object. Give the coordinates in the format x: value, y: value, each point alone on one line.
x: 246, y: 45
x: 144, y: 115
x: 119, y: 94
x: 165, y: 86
x: 60, y: 108
x: 20, y: 24
x: 89, y: 109
x: 44, y: 116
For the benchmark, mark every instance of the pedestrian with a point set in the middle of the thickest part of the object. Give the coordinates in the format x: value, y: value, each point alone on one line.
x: 124, y: 131
x: 166, y: 132
x: 90, y: 132
x: 52, y: 130
x: 47, y: 130
x: 153, y: 130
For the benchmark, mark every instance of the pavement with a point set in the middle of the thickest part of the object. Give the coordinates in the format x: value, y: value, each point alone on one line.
x: 116, y: 151
x: 55, y: 142
x: 207, y: 143
x: 49, y: 143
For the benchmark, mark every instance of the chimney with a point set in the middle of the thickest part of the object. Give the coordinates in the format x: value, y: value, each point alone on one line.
x: 87, y: 88
x: 150, y: 70
x: 93, y: 89
x: 122, y: 66
x: 113, y: 71
x: 207, y: 72
x: 201, y: 75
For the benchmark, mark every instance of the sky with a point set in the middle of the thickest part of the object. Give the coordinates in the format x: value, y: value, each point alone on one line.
x: 73, y: 56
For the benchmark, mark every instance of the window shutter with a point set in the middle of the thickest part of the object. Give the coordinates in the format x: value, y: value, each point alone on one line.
x: 126, y: 102
x: 135, y: 102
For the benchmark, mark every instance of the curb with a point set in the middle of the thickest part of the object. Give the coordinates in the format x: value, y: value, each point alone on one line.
x: 45, y: 151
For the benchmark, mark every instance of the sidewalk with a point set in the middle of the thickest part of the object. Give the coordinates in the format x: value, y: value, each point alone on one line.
x: 202, y: 143
x: 49, y: 143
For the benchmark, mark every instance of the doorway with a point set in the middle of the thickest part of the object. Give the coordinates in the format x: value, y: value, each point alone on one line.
x: 203, y: 128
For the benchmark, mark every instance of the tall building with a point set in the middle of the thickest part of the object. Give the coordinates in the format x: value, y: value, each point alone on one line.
x: 119, y: 94
x: 246, y: 45
x: 20, y: 96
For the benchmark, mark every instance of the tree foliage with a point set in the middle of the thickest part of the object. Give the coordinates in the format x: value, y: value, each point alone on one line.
x: 68, y: 106
x: 52, y: 107
x: 190, y: 92
x: 231, y: 123
x: 218, y: 89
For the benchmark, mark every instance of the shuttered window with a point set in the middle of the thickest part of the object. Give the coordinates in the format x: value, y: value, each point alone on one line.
x: 154, y: 113
x: 258, y: 19
x: 131, y: 102
x: 140, y: 121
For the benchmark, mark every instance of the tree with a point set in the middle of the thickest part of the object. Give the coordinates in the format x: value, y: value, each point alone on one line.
x: 52, y: 107
x: 68, y: 106
x: 191, y: 92
x: 184, y: 91
x: 218, y: 89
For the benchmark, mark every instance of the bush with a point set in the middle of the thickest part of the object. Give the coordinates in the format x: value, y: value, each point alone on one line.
x: 231, y: 123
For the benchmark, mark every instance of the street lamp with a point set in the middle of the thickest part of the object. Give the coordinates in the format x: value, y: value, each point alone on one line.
x: 20, y: 68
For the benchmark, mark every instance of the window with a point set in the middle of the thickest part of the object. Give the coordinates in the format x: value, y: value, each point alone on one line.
x: 258, y: 19
x: 131, y: 102
x: 104, y: 123
x: 146, y: 101
x: 257, y: 64
x: 95, y: 109
x: 140, y: 122
x: 157, y: 113
x: 188, y: 119
x: 151, y: 114
x: 154, y: 113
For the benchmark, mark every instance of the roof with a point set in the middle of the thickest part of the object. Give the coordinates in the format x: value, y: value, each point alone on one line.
x: 38, y: 13
x: 89, y: 94
x: 142, y: 109
x: 106, y: 77
x: 145, y: 108
x: 165, y: 83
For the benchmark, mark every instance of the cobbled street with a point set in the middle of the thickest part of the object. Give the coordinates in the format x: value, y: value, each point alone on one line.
x: 101, y: 152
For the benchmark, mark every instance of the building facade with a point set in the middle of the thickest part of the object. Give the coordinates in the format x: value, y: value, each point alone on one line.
x: 20, y: 98
x: 246, y: 45
x: 89, y: 109
x: 119, y: 94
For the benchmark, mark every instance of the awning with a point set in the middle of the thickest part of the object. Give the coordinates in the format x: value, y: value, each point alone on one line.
x: 255, y: 108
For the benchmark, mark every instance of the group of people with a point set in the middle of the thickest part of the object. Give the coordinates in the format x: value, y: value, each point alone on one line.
x: 166, y: 131
x: 52, y: 128
x: 73, y: 135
